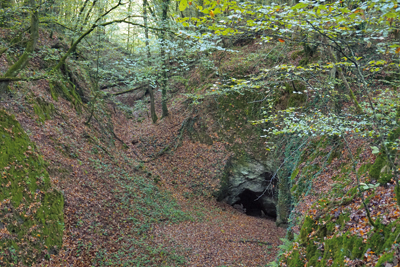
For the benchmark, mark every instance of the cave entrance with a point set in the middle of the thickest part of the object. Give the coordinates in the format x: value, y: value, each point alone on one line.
x: 259, y: 208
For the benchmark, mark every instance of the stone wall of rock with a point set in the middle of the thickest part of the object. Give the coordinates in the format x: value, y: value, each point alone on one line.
x: 246, y: 182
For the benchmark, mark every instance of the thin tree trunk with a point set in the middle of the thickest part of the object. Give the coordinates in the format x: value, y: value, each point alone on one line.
x: 198, y: 12
x: 164, y: 77
x: 129, y: 26
x: 94, y: 26
x: 283, y: 204
x: 80, y: 15
x: 88, y: 14
x: 146, y: 33
x: 146, y: 29
x: 346, y: 84
x: 30, y: 47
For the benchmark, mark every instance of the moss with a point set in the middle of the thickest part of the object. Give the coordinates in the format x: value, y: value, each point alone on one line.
x: 294, y: 174
x: 397, y: 192
x: 334, y: 155
x: 43, y: 110
x: 385, y: 258
x: 343, y: 218
x: 324, y: 245
x: 352, y: 192
x: 294, y: 259
x: 66, y: 89
x: 306, y: 229
x: 380, y: 170
x: 31, y: 211
x: 375, y: 170
x: 358, y: 152
x: 53, y: 91
x: 393, y: 135
x: 297, y: 54
x: 364, y: 168
x: 385, y: 178
x: 304, y: 61
x: 223, y: 189
x: 345, y: 168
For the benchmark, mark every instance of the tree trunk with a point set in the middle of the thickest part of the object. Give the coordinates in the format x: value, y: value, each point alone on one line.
x: 30, y: 47
x: 346, y: 84
x: 129, y: 26
x: 146, y: 33
x: 146, y: 29
x: 164, y: 77
x: 283, y: 205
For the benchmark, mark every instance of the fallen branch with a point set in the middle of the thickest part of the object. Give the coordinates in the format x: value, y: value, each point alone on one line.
x: 129, y: 90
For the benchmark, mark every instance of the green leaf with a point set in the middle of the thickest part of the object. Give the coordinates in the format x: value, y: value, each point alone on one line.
x: 375, y: 150
x: 299, y: 5
x: 183, y: 5
x: 391, y: 15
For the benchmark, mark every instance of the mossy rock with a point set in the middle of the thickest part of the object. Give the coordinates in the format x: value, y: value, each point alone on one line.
x: 324, y: 245
x: 31, y: 212
x: 380, y: 170
x: 306, y: 229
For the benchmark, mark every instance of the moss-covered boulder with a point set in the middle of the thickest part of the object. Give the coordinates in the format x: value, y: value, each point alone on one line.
x: 31, y: 212
x: 326, y: 240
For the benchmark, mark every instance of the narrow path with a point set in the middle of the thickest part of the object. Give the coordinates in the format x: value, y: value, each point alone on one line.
x: 227, y: 238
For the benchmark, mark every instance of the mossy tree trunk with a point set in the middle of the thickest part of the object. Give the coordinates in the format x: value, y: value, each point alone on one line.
x: 30, y: 47
x: 164, y: 78
x: 284, y: 199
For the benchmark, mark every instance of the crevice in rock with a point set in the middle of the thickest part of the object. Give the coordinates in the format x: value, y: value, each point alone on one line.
x: 252, y: 206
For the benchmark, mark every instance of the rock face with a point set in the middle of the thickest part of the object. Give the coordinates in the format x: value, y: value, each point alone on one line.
x: 246, y: 182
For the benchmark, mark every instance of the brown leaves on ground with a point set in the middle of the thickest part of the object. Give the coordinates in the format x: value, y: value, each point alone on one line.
x: 191, y: 172
x: 226, y: 238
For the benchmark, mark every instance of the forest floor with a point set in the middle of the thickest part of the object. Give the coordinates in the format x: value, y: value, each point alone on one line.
x: 102, y: 211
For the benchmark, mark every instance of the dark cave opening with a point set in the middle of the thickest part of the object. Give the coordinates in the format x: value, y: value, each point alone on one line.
x: 256, y: 208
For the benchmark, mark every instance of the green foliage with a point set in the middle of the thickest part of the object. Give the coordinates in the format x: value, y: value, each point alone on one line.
x: 31, y: 212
